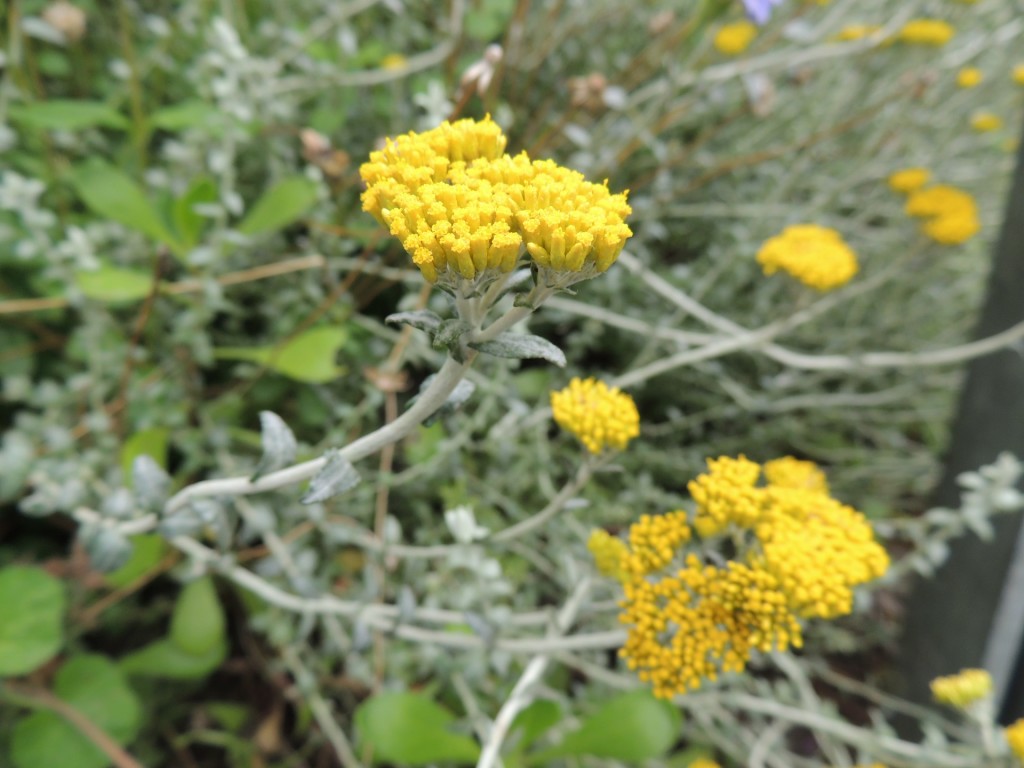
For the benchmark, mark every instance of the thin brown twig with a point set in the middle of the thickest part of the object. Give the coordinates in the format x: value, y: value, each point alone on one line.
x: 298, y: 264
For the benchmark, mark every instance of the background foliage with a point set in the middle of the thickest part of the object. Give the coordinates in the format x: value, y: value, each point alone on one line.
x: 178, y: 253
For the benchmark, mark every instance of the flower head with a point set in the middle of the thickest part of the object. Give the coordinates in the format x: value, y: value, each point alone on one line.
x: 856, y: 31
x: 926, y: 32
x: 600, y: 416
x: 462, y: 208
x: 735, y: 38
x: 962, y: 689
x: 1018, y: 74
x: 802, y: 554
x: 968, y: 77
x: 909, y: 179
x: 950, y: 214
x: 816, y: 256
x: 986, y: 122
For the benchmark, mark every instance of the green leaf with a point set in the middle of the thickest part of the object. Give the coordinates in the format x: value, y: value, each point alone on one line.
x: 534, y: 721
x: 114, y: 285
x: 410, y: 729
x: 31, y: 618
x: 67, y: 115
x: 187, y: 223
x: 486, y: 21
x: 148, y: 550
x: 308, y: 357
x: 107, y: 191
x: 522, y: 346
x: 198, y: 624
x: 150, y: 442
x: 94, y: 686
x: 631, y: 727
x: 177, y: 117
x: 282, y: 204
x: 163, y: 659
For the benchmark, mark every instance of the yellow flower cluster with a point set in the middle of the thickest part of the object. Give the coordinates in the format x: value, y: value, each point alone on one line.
x: 461, y: 207
x: 950, y: 214
x: 1015, y: 737
x: 703, y: 762
x: 962, y: 689
x: 926, y: 32
x: 609, y: 553
x: 600, y: 416
x: 816, y: 256
x: 909, y: 180
x: 703, y: 620
x: 1018, y: 74
x: 968, y: 77
x: 807, y: 552
x: 735, y: 38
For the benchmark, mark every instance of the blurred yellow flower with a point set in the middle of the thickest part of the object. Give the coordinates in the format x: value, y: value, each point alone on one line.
x: 962, y: 689
x: 1018, y: 74
x: 1015, y: 736
x: 968, y: 77
x: 600, y: 416
x: 816, y: 256
x: 909, y: 180
x: 393, y: 61
x: 950, y: 214
x: 926, y: 32
x: 735, y: 38
x: 986, y: 122
x: 856, y: 31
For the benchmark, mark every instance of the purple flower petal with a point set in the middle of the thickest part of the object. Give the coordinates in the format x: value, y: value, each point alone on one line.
x: 760, y: 11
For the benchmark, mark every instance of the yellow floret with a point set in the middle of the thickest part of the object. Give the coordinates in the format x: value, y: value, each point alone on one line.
x: 735, y: 38
x: 962, y: 689
x: 926, y: 32
x: 909, y: 180
x: 816, y: 256
x: 726, y: 494
x: 600, y: 416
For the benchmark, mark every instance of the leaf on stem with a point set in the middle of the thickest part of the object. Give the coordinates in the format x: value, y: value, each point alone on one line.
x: 521, y: 346
x: 337, y: 476
x: 423, y: 320
x: 279, y: 445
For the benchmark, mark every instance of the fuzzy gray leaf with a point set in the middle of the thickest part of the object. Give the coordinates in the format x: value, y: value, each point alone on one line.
x: 462, y: 392
x: 519, y: 346
x: 423, y: 319
x: 449, y: 336
x: 150, y: 482
x: 337, y: 476
x: 108, y: 549
x: 279, y: 444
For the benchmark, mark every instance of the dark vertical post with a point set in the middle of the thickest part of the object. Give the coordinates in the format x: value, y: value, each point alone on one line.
x: 951, y: 617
